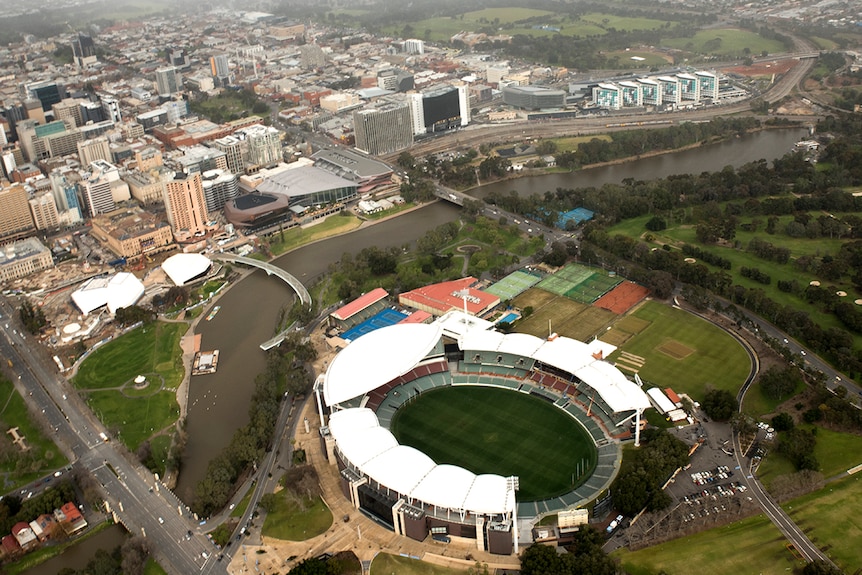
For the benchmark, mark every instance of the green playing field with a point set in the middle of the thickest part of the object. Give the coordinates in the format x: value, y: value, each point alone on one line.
x: 490, y: 430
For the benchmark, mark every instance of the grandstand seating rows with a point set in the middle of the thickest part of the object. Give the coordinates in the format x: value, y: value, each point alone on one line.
x: 377, y: 396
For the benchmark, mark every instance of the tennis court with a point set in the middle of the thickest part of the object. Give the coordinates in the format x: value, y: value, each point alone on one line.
x: 623, y: 297
x: 578, y: 215
x: 514, y: 284
x: 384, y: 318
x: 592, y: 288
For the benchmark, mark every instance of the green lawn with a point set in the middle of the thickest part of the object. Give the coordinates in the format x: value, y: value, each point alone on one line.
x: 135, y: 415
x: 624, y: 59
x: 753, y: 545
x: 487, y: 430
x: 836, y: 452
x: 298, y: 236
x: 832, y: 519
x: 41, y: 458
x: 623, y: 23
x: 291, y: 523
x: 386, y: 564
x: 716, y: 359
x: 725, y: 42
x: 153, y: 568
x: 756, y: 404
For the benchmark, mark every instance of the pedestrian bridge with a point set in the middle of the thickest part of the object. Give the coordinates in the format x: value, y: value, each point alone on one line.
x: 270, y: 269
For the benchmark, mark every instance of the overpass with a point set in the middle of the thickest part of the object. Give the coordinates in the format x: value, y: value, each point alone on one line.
x: 450, y: 195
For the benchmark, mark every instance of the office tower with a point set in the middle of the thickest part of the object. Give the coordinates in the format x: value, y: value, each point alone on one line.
x: 111, y: 108
x: 15, y: 217
x: 43, y: 208
x: 185, y: 205
x: 177, y: 57
x: 383, y: 130
x: 168, y: 80
x: 96, y: 149
x: 69, y: 109
x: 414, y: 46
x: 47, y: 92
x: 102, y: 188
x: 93, y: 112
x: 34, y: 110
x: 312, y: 56
x: 13, y: 114
x: 83, y: 50
x: 220, y: 69
x: 65, y: 193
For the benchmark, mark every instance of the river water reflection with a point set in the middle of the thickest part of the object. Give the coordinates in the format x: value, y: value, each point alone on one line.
x: 218, y: 403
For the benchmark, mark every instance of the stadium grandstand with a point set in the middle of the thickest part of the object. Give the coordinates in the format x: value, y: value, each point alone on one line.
x: 406, y: 490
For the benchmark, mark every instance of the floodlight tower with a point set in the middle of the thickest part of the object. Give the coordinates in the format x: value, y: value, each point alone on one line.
x: 512, y: 486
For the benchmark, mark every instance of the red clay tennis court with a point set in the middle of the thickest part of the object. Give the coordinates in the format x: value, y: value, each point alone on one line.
x: 622, y: 298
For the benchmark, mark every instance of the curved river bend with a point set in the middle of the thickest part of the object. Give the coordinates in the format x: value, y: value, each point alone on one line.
x: 218, y: 403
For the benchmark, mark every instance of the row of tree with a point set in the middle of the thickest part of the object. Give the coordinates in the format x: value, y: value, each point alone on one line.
x: 584, y: 557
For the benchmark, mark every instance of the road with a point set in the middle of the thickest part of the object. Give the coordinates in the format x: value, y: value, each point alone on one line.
x: 142, y: 505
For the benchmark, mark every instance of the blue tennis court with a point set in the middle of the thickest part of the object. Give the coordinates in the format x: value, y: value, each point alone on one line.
x: 578, y: 215
x: 384, y: 318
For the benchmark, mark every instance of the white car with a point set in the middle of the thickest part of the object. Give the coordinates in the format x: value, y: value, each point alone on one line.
x: 161, y: 520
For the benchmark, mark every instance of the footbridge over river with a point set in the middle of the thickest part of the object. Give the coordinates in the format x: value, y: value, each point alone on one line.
x: 270, y: 270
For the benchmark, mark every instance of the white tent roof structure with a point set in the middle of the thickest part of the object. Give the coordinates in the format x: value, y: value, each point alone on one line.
x: 184, y: 267
x: 117, y: 291
x: 377, y: 358
x: 375, y: 452
x: 569, y: 355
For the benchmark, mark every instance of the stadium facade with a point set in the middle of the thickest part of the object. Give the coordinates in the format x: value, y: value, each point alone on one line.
x: 405, y: 489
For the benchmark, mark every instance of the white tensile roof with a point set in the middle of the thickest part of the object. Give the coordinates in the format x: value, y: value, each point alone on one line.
x: 183, y: 267
x: 377, y: 358
x: 377, y: 454
x: 118, y: 291
x: 569, y: 355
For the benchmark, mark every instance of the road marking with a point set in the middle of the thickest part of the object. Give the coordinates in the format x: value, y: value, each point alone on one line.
x: 853, y: 470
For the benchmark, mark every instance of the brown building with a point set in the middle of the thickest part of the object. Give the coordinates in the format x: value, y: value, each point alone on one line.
x: 15, y: 217
x: 186, y: 205
x: 43, y: 207
x: 132, y: 232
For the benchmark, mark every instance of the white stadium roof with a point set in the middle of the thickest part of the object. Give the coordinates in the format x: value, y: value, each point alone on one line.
x: 377, y: 358
x: 184, y: 267
x: 377, y: 454
x: 569, y: 355
x: 117, y: 291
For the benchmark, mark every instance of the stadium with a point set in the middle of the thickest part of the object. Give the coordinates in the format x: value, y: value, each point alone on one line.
x: 401, y: 487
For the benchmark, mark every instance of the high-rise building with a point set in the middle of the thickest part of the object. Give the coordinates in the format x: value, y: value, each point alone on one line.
x: 65, y: 193
x: 102, y: 188
x: 185, y: 205
x: 178, y: 57
x: 47, y: 92
x: 312, y: 56
x: 263, y: 145
x: 440, y: 108
x: 414, y: 46
x: 383, y: 130
x: 168, y: 80
x: 232, y: 148
x: 96, y: 149
x: 93, y: 112
x: 83, y: 50
x: 111, y: 108
x: 43, y: 208
x: 220, y: 69
x: 219, y: 187
x: 15, y: 217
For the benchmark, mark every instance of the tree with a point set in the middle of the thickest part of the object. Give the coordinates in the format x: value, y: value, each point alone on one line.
x: 33, y: 318
x: 310, y: 566
x: 656, y: 224
x: 821, y: 567
x: 134, y: 553
x: 540, y: 559
x: 778, y: 384
x: 268, y: 501
x: 719, y: 404
x: 783, y: 422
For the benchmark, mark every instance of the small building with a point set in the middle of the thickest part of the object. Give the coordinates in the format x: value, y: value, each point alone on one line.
x: 9, y: 547
x: 43, y: 526
x: 70, y: 518
x: 24, y: 535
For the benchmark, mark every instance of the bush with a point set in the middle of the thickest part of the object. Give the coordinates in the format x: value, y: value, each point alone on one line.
x: 719, y: 404
x: 782, y: 422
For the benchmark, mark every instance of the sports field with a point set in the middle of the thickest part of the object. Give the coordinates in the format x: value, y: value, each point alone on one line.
x: 513, y: 285
x: 567, y: 317
x: 683, y: 351
x: 579, y: 283
x: 490, y: 430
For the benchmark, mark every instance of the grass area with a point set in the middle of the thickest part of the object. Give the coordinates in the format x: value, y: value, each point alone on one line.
x: 622, y: 23
x: 386, y: 564
x: 153, y: 568
x: 159, y: 448
x: 243, y: 504
x: 824, y: 43
x: 624, y: 59
x: 753, y: 545
x: 151, y: 350
x: 571, y: 144
x: 298, y: 236
x: 42, y: 456
x: 731, y: 42
x: 835, y: 451
x: 508, y: 15
x: 290, y: 522
x: 756, y: 404
x: 391, y: 211
x: 476, y: 428
x: 676, y: 235
x: 832, y: 519
x: 717, y: 360
x: 567, y: 317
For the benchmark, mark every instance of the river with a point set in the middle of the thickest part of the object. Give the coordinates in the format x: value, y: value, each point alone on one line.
x: 77, y: 556
x: 218, y: 403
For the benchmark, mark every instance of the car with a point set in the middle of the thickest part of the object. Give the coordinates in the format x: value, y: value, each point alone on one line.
x: 785, y: 340
x: 161, y: 520
x: 58, y: 473
x: 205, y: 555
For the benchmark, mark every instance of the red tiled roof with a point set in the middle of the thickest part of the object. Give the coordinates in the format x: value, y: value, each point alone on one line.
x: 20, y: 526
x: 671, y: 395
x: 359, y: 304
x: 418, y: 316
x: 10, y: 544
x: 71, y: 512
x: 445, y: 296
